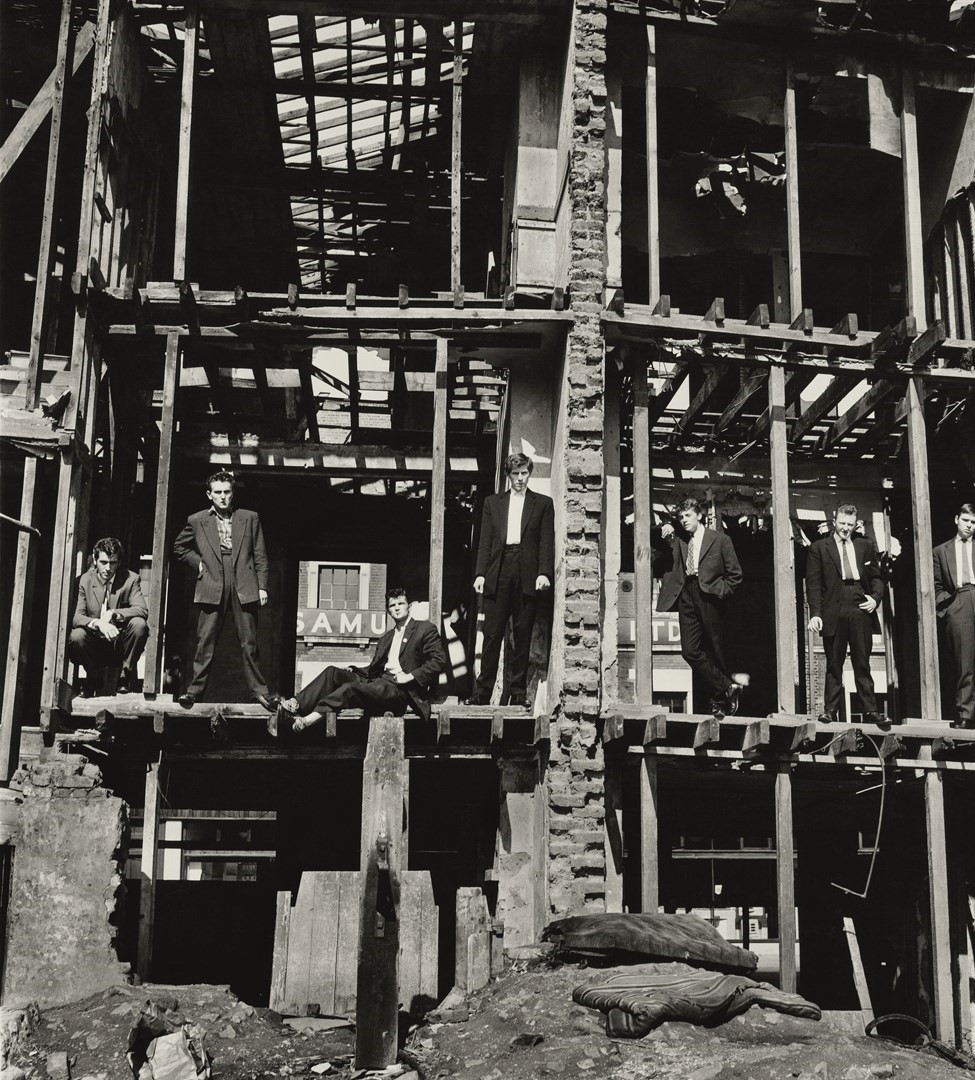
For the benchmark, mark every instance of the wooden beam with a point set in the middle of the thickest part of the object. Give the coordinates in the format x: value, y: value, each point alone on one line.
x: 43, y: 102
x: 657, y: 404
x: 917, y: 464
x: 752, y: 383
x: 785, y: 878
x: 155, y: 664
x: 46, y: 250
x: 701, y: 398
x: 838, y: 388
x: 859, y: 975
x: 934, y: 812
x: 913, y: 226
x: 438, y: 485
x: 610, y: 533
x: 147, y: 871
x: 382, y: 855
x: 784, y: 579
x: 792, y: 191
x: 649, y: 837
x: 795, y: 383
x: 924, y: 348
x: 185, y: 140
x: 456, y: 161
x: 613, y: 795
x: 614, y: 178
x: 642, y: 526
x: 308, y: 397
x: 858, y: 412
x: 653, y: 180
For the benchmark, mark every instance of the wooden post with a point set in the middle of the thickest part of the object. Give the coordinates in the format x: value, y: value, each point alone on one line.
x: 910, y: 171
x: 785, y: 878
x: 613, y: 794
x: 859, y: 975
x: 438, y: 484
x: 614, y: 179
x: 934, y: 806
x: 642, y: 524
x: 649, y: 837
x: 792, y: 191
x: 155, y: 664
x: 456, y: 284
x: 784, y: 579
x: 377, y: 983
x: 185, y: 135
x: 653, y: 182
x: 147, y: 873
x: 20, y: 617
x: 610, y: 534
x: 520, y: 885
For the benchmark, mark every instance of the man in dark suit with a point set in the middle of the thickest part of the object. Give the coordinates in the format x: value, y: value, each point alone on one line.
x: 515, y: 562
x: 954, y: 598
x: 109, y: 629
x: 224, y: 546
x: 404, y: 672
x: 704, y: 572
x: 844, y: 587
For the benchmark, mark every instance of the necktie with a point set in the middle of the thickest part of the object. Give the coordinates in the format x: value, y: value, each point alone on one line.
x: 691, y: 558
x: 847, y: 569
x: 967, y: 576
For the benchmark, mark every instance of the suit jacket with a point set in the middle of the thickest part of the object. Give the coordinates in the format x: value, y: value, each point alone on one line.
x: 824, y: 578
x: 421, y: 655
x: 718, y: 569
x: 537, y: 540
x: 945, y: 583
x: 125, y: 597
x: 199, y: 542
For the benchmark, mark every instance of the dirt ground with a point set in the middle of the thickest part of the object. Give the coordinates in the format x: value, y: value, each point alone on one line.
x: 521, y: 1027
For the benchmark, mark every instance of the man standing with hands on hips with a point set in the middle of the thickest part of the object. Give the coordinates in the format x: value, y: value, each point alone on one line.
x: 954, y: 598
x: 225, y: 547
x: 515, y: 562
x: 844, y: 587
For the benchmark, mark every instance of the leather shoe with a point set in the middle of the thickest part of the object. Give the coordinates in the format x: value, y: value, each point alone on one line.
x: 732, y: 698
x: 828, y: 716
x: 518, y: 700
x: 268, y: 701
x: 883, y: 722
x: 186, y: 701
x: 478, y: 699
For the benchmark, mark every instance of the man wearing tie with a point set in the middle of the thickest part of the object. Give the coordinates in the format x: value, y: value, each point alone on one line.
x: 515, y: 562
x: 109, y: 628
x: 704, y: 572
x: 404, y: 671
x: 224, y: 546
x: 844, y: 587
x: 954, y: 598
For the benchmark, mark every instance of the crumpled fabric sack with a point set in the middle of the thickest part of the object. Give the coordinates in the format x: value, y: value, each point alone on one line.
x: 170, y: 1058
x: 160, y: 1044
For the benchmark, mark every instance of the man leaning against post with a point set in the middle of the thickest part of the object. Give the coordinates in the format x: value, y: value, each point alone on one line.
x: 954, y: 598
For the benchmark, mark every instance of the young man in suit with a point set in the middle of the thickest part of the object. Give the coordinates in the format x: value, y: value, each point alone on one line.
x: 404, y: 672
x: 703, y: 574
x: 224, y: 547
x: 109, y: 628
x: 515, y: 562
x: 844, y: 587
x: 954, y: 598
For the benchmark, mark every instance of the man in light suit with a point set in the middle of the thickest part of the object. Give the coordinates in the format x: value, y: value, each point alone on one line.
x: 703, y: 574
x: 224, y: 546
x: 954, y: 598
x: 515, y: 562
x: 109, y: 629
x: 844, y: 587
x: 403, y: 673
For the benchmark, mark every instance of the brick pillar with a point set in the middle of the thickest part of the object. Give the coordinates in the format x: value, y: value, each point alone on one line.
x: 575, y: 778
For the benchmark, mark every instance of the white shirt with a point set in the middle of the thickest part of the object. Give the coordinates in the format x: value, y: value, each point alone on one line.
x: 961, y: 550
x: 516, y: 507
x: 694, y: 549
x: 392, y: 660
x: 850, y: 554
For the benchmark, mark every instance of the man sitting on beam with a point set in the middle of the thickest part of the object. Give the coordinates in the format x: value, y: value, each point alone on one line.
x: 404, y: 672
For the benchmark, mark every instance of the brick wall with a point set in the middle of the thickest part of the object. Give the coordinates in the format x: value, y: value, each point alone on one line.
x: 575, y: 778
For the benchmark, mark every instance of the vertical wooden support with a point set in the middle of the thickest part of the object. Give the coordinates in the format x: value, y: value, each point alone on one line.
x: 649, y: 837
x: 46, y: 251
x: 456, y: 284
x: 784, y: 580
x: 438, y: 484
x: 377, y: 983
x: 792, y: 191
x: 160, y: 535
x: 520, y: 897
x: 914, y: 241
x: 917, y: 451
x: 20, y: 616
x: 613, y: 795
x: 642, y: 524
x: 147, y: 873
x: 934, y: 807
x: 653, y: 181
x: 610, y: 534
x: 185, y: 136
x: 614, y: 178
x: 785, y: 873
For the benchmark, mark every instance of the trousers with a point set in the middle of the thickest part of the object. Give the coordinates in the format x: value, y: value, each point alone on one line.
x: 508, y: 602
x: 854, y: 632
x: 701, y: 642
x: 336, y: 689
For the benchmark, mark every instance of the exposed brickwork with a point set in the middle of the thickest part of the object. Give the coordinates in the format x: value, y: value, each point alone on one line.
x: 577, y: 863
